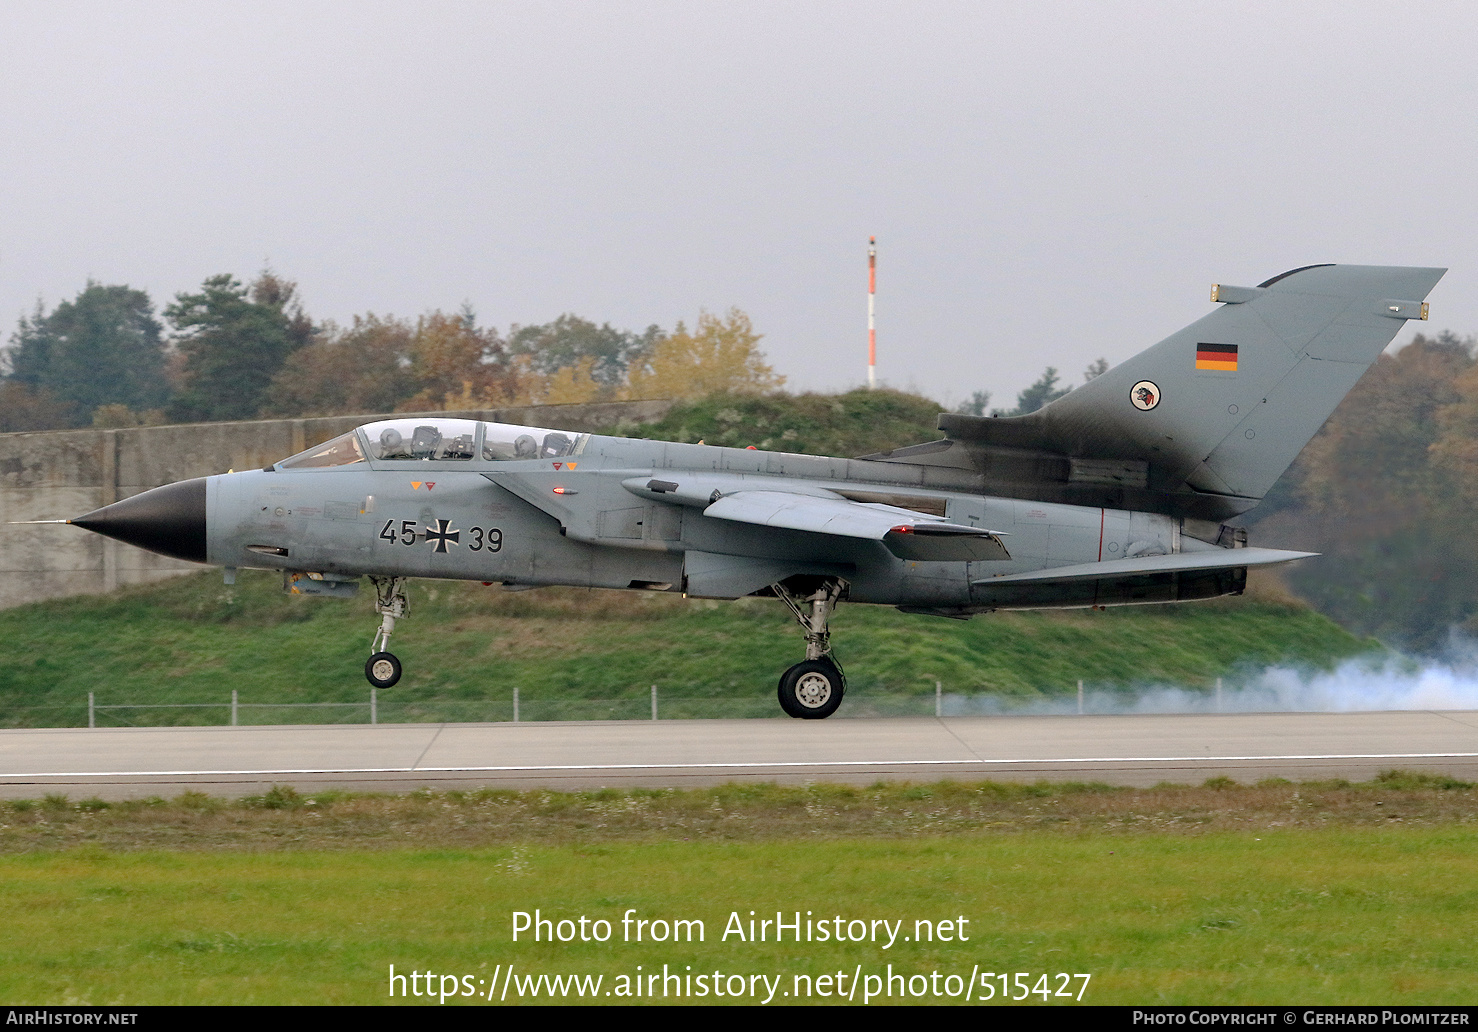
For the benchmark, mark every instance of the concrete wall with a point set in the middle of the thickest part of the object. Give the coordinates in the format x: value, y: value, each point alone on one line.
x: 65, y: 473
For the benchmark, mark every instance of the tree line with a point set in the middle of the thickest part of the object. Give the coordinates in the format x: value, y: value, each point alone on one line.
x: 234, y: 350
x: 1045, y: 389
x: 1386, y: 492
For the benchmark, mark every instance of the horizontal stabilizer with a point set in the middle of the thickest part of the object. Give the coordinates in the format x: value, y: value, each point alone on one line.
x: 906, y: 533
x: 1181, y: 562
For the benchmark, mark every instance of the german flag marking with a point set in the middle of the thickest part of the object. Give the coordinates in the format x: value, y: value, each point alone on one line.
x: 1218, y: 357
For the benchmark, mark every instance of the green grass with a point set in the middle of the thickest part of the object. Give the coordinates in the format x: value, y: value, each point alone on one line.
x: 1275, y: 893
x: 192, y: 639
x: 1335, y: 915
x: 858, y: 422
x: 282, y: 818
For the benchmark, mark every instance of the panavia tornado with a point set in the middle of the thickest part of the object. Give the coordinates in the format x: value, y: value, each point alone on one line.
x: 1119, y: 493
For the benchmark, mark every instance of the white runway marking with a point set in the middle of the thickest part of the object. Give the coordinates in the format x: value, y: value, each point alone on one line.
x: 743, y: 765
x: 1122, y: 750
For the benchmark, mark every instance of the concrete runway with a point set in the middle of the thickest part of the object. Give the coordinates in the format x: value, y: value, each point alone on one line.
x: 121, y: 763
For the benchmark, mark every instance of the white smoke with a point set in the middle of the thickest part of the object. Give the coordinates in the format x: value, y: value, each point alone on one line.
x: 1357, y: 685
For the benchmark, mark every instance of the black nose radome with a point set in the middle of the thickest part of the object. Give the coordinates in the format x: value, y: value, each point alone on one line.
x: 169, y: 520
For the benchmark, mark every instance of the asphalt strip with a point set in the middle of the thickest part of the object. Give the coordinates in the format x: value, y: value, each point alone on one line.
x: 743, y: 766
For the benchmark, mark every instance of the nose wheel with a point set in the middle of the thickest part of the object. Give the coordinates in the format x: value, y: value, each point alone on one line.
x: 383, y: 669
x: 813, y: 689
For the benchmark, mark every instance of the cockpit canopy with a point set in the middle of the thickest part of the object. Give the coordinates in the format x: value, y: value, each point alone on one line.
x: 502, y: 443
x: 438, y: 440
x: 422, y: 439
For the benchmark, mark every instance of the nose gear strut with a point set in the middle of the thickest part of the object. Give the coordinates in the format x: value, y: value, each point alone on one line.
x: 813, y: 689
x: 383, y: 669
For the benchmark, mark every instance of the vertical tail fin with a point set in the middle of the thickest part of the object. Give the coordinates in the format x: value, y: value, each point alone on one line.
x: 1225, y: 405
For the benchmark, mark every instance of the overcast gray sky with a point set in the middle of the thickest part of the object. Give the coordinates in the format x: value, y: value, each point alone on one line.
x: 1048, y: 182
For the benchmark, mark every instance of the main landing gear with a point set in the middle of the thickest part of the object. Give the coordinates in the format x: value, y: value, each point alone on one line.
x: 813, y: 689
x: 383, y: 669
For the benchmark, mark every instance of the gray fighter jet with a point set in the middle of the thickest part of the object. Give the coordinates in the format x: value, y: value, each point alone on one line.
x: 1117, y: 494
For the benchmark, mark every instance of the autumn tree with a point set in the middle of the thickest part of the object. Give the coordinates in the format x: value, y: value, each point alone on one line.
x: 22, y: 409
x: 1455, y: 451
x: 604, y: 353
x: 365, y: 367
x: 1368, y: 469
x: 1369, y: 493
x: 117, y: 416
x: 566, y: 385
x: 1454, y: 460
x: 458, y: 364
x: 719, y: 356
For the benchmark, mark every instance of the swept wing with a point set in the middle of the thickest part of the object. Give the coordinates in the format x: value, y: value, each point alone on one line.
x: 907, y: 534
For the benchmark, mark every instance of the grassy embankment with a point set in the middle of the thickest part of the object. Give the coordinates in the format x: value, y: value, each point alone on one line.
x: 1270, y: 894
x: 465, y: 648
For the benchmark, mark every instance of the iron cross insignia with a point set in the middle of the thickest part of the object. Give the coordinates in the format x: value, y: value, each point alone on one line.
x: 442, y: 534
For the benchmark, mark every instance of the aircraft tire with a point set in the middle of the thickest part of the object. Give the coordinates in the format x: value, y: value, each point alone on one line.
x: 382, y: 670
x: 812, y: 690
x: 787, y: 702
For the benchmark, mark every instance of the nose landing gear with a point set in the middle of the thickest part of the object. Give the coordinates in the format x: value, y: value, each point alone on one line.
x: 813, y: 689
x: 383, y: 669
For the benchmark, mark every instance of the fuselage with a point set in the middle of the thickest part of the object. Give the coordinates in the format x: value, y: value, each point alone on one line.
x: 573, y: 515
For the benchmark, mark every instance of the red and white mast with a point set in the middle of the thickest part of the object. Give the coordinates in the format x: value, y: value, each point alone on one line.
x: 872, y: 333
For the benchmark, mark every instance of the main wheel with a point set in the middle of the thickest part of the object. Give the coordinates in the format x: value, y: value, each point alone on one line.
x: 812, y: 690
x: 382, y: 670
x: 787, y: 696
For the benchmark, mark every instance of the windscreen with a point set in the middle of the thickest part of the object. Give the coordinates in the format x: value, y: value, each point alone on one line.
x: 341, y: 451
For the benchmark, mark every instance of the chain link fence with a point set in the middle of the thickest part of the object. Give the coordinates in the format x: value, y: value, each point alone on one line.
x: 392, y: 707
x: 401, y: 707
